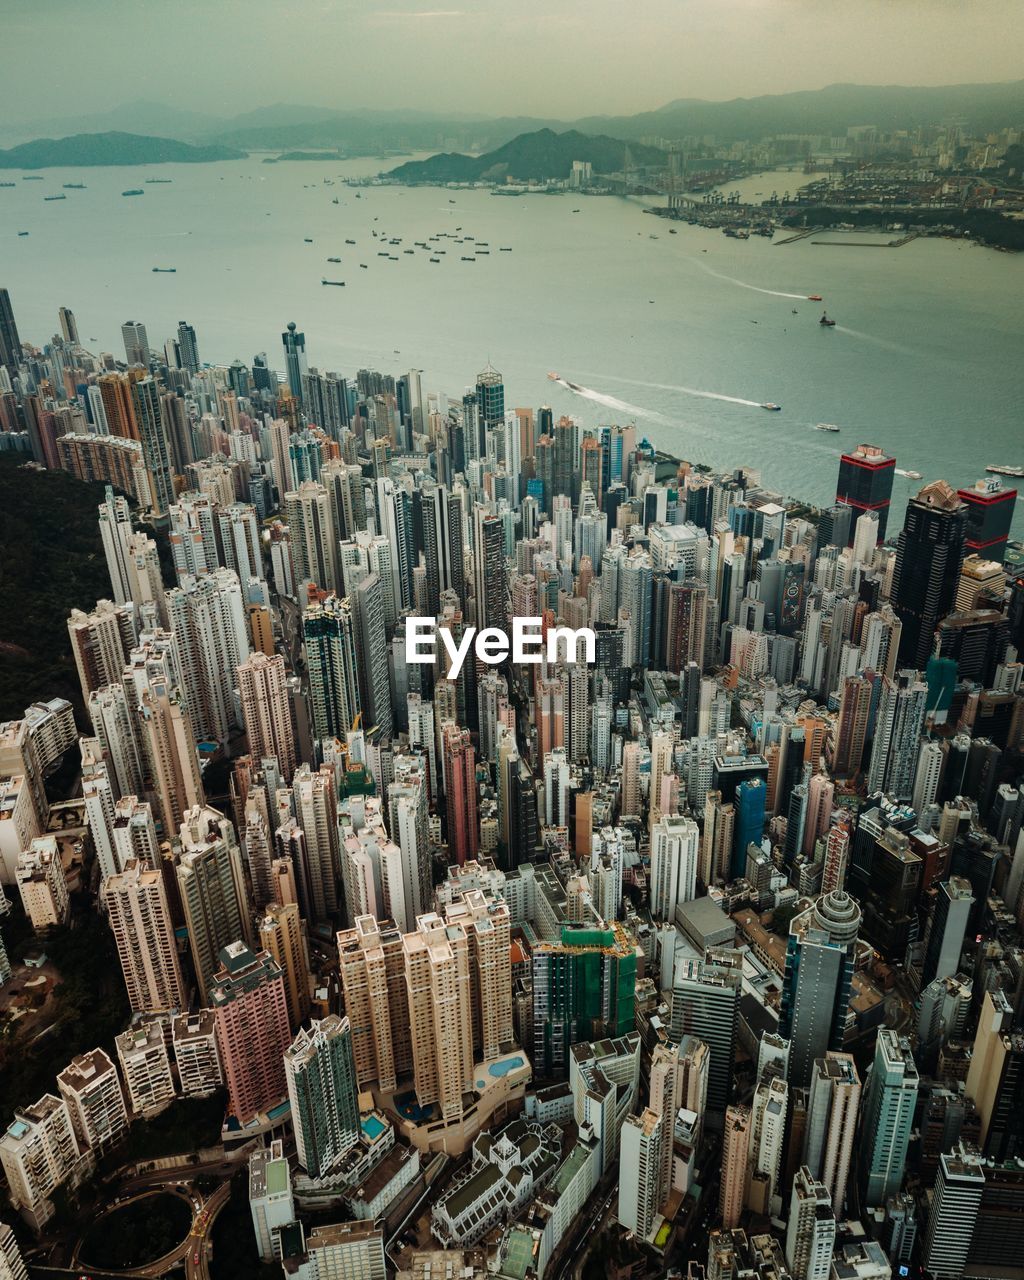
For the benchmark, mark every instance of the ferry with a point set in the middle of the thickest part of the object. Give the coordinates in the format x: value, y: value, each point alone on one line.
x: 166, y: 270
x: 60, y: 197
x: 829, y: 324
x: 341, y: 283
x: 826, y: 426
x: 133, y: 191
x: 335, y: 200
x: 910, y: 475
x: 1003, y: 470
x: 814, y: 297
x: 771, y: 406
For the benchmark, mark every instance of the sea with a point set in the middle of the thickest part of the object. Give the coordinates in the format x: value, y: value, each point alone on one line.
x: 685, y: 334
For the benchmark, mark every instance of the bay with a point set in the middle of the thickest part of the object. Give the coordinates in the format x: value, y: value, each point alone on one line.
x: 924, y: 359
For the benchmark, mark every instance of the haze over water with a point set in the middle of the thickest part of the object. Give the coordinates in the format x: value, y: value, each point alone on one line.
x: 924, y: 360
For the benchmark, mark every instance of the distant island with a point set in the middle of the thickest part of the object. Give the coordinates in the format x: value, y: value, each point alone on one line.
x: 536, y: 157
x: 91, y: 149
x: 303, y: 155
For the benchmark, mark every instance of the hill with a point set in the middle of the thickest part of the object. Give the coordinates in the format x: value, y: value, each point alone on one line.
x: 531, y: 156
x: 89, y: 149
x: 53, y: 562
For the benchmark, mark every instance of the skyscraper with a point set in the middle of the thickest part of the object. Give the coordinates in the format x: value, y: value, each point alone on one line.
x: 834, y: 1099
x: 188, y: 347
x: 675, y: 843
x: 898, y: 726
x: 295, y: 363
x: 959, y: 1189
x: 440, y: 1014
x: 323, y: 1092
x: 212, y: 890
x: 888, y: 1117
x: 460, y: 776
x: 367, y: 602
x: 929, y: 554
x: 640, y: 1144
x: 136, y: 344
x: 248, y: 1002
x: 143, y: 930
x: 10, y: 343
x: 266, y: 710
x: 947, y: 925
x: 865, y: 484
x: 208, y: 618
x: 811, y: 1230
x: 735, y: 1143
x: 490, y: 397
x: 705, y: 1004
x: 115, y: 532
x: 281, y: 934
x: 328, y: 634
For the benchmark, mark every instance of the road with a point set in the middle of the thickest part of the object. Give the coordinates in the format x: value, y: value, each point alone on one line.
x: 584, y: 1229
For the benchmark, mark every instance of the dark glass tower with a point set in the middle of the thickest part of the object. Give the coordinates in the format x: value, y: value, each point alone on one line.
x: 10, y: 343
x: 989, y: 516
x: 490, y: 397
x: 929, y: 554
x: 865, y: 484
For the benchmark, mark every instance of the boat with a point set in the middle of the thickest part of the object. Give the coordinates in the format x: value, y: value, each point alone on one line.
x: 358, y: 196
x: 308, y: 240
x: 451, y: 201
x: 571, y: 385
x: 554, y: 377
x: 470, y: 259
x: 341, y: 283
x: 909, y: 475
x: 335, y: 200
x: 392, y: 257
x: 350, y: 242
x: 504, y: 250
x: 575, y: 210
x: 383, y: 253
x: 826, y: 426
x: 483, y: 253
x: 68, y: 186
x: 60, y: 197
x: 795, y: 311
x: 435, y: 259
x: 31, y: 177
x: 672, y: 231
x: 170, y: 271
x: 333, y: 259
x: 829, y: 324
x: 154, y: 182
x: 1003, y: 470
x: 771, y: 406
x: 364, y: 266
x: 814, y: 297
x: 22, y: 233
x: 133, y: 191
x: 408, y: 250
x: 8, y: 184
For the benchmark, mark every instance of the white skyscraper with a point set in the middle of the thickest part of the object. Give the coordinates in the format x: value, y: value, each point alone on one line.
x: 640, y: 1144
x: 208, y: 618
x: 675, y: 846
x: 115, y: 530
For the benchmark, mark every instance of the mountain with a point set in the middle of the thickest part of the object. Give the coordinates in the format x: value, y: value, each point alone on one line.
x: 374, y: 133
x: 530, y: 156
x: 155, y: 119
x: 110, y: 149
x: 829, y: 111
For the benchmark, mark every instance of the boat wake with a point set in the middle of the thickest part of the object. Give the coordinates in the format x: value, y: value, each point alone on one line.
x: 688, y: 391
x: 612, y: 402
x: 878, y: 342
x: 742, y: 284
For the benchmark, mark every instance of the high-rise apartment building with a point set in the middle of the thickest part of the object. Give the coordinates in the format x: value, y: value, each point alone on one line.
x: 640, y: 1144
x: 248, y: 1002
x: 146, y: 1068
x: 91, y: 1089
x: 733, y: 1185
x: 280, y: 933
x: 136, y: 343
x: 212, y: 890
x: 889, y: 1103
x: 140, y: 919
x: 675, y: 844
x: 831, y: 1126
x: 266, y: 710
x: 323, y: 1092
x: 375, y: 996
x: 811, y: 1230
x: 705, y: 1004
x: 329, y: 637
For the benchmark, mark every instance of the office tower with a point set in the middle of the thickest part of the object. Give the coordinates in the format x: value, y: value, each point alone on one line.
x: 322, y: 1090
x: 367, y: 602
x: 820, y: 959
x: 12, y: 1265
x: 898, y: 725
x: 440, y: 1014
x: 312, y: 535
x: 193, y: 535
x: 990, y: 509
x: 208, y: 618
x: 687, y: 624
x: 328, y: 634
x: 490, y: 397
x: 188, y: 347
x: 460, y: 783
x: 674, y: 851
x: 947, y: 925
x: 888, y: 1116
x: 156, y: 451
x: 931, y: 760
x: 865, y: 484
x: 996, y: 1078
x: 929, y: 554
x: 10, y: 343
x: 42, y: 884
x: 705, y: 1004
x: 373, y: 984
x: 91, y: 1089
x: 266, y: 710
x: 834, y: 1099
x: 732, y: 1189
x: 194, y: 1040
x: 136, y: 344
x: 407, y: 824
x: 248, y: 1002
x: 811, y: 1230
x: 280, y: 933
x: 115, y: 530
x: 749, y: 803
x: 674, y: 1083
x: 101, y: 641
x: 953, y: 1215
x: 640, y: 1143
x: 212, y: 890
x: 443, y: 547
x: 489, y: 566
x: 767, y: 1131
x: 837, y: 857
x: 820, y: 791
x: 295, y: 364
x: 271, y: 1202
x: 39, y: 1153
x: 146, y: 1068
x: 140, y: 919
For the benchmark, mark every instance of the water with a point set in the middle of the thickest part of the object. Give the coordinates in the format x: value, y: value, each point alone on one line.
x: 687, y: 334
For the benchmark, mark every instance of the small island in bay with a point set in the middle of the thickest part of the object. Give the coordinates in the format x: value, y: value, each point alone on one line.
x: 90, y: 149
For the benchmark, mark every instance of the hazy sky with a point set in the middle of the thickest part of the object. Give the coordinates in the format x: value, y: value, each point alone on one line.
x: 536, y: 57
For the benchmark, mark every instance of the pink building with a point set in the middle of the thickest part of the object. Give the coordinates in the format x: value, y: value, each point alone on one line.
x: 251, y: 1011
